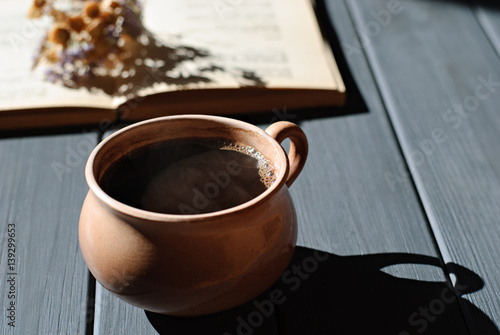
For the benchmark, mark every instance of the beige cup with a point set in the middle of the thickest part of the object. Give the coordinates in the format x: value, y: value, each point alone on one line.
x: 196, y: 264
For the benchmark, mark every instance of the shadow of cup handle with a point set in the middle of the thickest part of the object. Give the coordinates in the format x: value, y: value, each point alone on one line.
x: 466, y: 282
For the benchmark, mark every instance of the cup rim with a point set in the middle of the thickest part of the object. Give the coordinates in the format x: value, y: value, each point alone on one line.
x: 142, y: 214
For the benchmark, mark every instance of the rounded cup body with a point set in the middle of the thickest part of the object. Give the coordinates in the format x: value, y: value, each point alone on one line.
x: 189, y: 268
x: 187, y: 265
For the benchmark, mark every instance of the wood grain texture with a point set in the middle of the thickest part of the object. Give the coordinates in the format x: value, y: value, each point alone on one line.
x: 113, y: 316
x: 42, y: 188
x: 488, y: 14
x: 344, y: 201
x: 440, y: 79
x: 348, y: 207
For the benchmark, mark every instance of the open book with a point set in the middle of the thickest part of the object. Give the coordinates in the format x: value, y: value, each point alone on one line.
x: 209, y: 57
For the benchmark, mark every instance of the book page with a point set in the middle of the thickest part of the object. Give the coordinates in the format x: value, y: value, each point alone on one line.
x: 22, y: 88
x: 278, y: 42
x: 188, y: 44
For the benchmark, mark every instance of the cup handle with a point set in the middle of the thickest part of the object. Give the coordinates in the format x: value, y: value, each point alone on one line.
x: 298, y: 146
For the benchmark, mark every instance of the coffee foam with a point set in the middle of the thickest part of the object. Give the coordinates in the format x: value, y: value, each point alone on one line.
x: 266, y: 169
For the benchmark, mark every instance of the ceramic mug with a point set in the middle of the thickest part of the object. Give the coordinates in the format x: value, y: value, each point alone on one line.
x: 193, y: 264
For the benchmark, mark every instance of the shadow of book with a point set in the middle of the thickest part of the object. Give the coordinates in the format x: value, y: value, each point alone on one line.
x: 322, y: 293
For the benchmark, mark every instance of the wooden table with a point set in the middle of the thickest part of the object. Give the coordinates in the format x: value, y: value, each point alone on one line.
x: 398, y: 205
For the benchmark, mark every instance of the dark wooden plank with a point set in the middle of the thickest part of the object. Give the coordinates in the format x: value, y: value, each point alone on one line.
x: 344, y: 203
x: 440, y: 78
x: 113, y: 316
x: 42, y: 188
x: 349, y: 208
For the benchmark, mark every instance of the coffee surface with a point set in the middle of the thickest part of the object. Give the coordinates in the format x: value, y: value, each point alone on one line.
x: 189, y: 176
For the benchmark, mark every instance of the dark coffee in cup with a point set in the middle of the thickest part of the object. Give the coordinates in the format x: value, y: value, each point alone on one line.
x: 189, y: 176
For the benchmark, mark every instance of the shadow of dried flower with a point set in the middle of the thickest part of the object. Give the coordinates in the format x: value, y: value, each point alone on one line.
x: 103, y: 45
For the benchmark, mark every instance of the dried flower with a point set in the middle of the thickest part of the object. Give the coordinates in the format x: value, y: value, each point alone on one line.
x: 92, y: 9
x: 102, y: 48
x: 108, y: 18
x: 103, y: 43
x: 52, y: 55
x: 59, y: 35
x: 96, y: 30
x: 36, y: 9
x: 94, y: 38
x: 114, y: 4
x: 76, y: 23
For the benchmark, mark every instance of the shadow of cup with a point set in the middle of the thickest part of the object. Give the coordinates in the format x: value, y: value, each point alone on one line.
x: 322, y: 293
